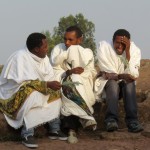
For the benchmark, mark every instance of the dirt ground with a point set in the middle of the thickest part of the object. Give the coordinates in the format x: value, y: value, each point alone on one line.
x: 89, y: 141
x: 83, y: 144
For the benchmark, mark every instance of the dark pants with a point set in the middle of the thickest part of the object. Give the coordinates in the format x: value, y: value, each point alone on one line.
x: 70, y: 122
x: 114, y: 91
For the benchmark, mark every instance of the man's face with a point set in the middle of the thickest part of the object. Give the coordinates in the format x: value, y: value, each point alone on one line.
x: 42, y: 51
x: 70, y: 38
x: 118, y: 45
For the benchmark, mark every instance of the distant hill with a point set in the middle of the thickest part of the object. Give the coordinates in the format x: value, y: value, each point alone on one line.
x: 1, y: 66
x: 143, y: 82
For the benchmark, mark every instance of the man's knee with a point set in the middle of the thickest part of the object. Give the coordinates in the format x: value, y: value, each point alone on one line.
x: 129, y: 87
x: 112, y: 84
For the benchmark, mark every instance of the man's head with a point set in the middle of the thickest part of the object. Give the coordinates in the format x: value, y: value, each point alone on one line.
x: 73, y: 36
x: 37, y: 44
x: 118, y: 45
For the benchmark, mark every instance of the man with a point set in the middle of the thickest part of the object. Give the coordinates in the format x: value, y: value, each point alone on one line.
x: 29, y: 96
x: 119, y: 62
x: 75, y: 65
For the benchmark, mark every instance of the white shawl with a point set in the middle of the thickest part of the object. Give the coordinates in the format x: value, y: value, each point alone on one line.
x: 77, y: 56
x: 110, y: 62
x: 21, y: 67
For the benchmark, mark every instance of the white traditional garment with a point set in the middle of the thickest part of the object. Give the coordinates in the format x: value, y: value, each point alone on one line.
x: 110, y: 62
x: 23, y: 66
x: 77, y: 56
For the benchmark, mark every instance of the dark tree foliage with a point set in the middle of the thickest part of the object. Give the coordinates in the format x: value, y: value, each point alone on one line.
x: 87, y: 27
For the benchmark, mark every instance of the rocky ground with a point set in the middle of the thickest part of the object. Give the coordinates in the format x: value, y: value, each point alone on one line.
x: 99, y: 139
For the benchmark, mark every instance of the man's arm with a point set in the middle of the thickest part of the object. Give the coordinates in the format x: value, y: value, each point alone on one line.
x: 54, y: 85
x: 58, y: 55
x: 133, y: 57
x: 77, y: 70
x: 107, y: 76
x: 127, y: 77
x: 114, y: 76
x: 126, y: 42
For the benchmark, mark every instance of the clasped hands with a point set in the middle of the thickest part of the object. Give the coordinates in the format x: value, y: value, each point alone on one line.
x: 114, y: 76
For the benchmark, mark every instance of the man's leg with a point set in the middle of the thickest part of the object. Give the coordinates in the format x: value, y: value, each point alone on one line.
x: 54, y: 130
x: 70, y: 122
x: 54, y: 125
x: 112, y: 96
x: 26, y: 133
x: 28, y: 137
x: 130, y: 105
x: 71, y: 125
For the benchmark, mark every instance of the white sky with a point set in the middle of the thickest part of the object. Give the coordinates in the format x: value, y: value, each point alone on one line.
x: 19, y: 18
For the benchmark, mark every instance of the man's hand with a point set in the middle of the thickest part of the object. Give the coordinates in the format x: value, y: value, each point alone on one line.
x: 126, y: 42
x: 107, y: 76
x: 77, y: 70
x: 99, y: 74
x: 127, y: 77
x: 54, y: 85
x: 111, y: 76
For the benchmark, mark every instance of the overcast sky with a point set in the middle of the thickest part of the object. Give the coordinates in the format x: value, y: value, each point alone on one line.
x: 19, y: 18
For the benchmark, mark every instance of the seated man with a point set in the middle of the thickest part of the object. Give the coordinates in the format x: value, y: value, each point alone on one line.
x: 29, y: 96
x: 119, y: 62
x: 75, y: 64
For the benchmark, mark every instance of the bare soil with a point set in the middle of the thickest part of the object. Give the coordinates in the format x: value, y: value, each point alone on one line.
x: 83, y: 144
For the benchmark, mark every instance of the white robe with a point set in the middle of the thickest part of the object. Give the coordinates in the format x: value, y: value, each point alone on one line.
x: 110, y: 62
x: 77, y: 56
x: 21, y: 67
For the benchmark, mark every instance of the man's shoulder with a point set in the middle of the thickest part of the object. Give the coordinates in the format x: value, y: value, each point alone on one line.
x: 88, y: 51
x: 60, y: 46
x: 105, y: 43
x: 75, y: 47
x: 79, y: 47
x: 15, y: 58
x: 134, y: 47
x: 18, y: 53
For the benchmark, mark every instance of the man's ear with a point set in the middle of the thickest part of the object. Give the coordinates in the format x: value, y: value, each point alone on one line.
x: 36, y: 49
x: 80, y: 40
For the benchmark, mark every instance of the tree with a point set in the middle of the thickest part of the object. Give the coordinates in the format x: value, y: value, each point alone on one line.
x: 52, y: 40
x: 87, y: 27
x: 1, y: 67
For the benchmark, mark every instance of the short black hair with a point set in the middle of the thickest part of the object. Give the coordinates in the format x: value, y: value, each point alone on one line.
x: 75, y: 28
x: 34, y: 40
x: 121, y: 32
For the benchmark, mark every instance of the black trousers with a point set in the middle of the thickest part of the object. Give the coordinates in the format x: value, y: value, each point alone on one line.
x: 70, y: 122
